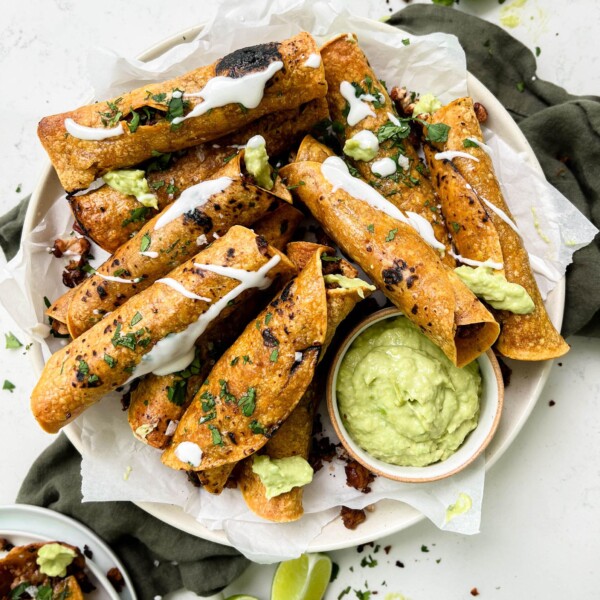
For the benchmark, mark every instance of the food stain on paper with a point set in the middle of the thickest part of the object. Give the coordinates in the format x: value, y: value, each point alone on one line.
x: 462, y: 505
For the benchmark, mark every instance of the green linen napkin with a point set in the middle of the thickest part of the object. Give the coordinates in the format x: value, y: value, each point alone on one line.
x: 564, y: 131
x: 158, y: 557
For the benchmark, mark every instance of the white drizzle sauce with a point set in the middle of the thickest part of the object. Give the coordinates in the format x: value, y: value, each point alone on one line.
x: 189, y: 453
x: 92, y: 134
x: 313, y: 61
x: 336, y: 172
x: 171, y: 428
x: 201, y: 240
x: 358, y: 109
x: 220, y: 91
x: 172, y: 283
x: 149, y: 254
x: 393, y: 119
x: 477, y: 263
x: 298, y: 357
x: 502, y: 215
x: 483, y: 146
x: 117, y: 279
x: 451, y: 154
x: 176, y: 351
x: 254, y: 142
x: 384, y: 167
x: 367, y: 140
x: 403, y: 162
x: 191, y: 198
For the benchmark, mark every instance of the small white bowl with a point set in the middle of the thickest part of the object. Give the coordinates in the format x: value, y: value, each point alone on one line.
x: 492, y: 398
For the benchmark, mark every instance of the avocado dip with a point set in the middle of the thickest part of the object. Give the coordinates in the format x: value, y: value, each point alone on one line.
x: 53, y: 559
x: 257, y: 161
x: 132, y: 182
x: 400, y: 397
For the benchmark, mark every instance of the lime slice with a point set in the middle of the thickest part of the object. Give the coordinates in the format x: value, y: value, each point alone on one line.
x: 303, y: 578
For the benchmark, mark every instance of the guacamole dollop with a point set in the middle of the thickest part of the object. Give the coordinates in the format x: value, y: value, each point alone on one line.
x: 351, y: 283
x: 133, y: 183
x: 257, y: 161
x: 53, y: 559
x: 400, y: 397
x: 280, y: 475
x: 496, y: 290
x: 362, y: 146
x: 427, y: 103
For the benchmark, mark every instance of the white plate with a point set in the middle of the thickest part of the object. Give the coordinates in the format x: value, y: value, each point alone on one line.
x: 527, y: 379
x: 23, y: 524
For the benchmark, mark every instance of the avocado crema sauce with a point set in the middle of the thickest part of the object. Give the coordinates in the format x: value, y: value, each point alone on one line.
x: 400, y: 397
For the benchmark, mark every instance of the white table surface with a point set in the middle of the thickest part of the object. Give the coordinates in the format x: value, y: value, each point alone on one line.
x: 540, y: 533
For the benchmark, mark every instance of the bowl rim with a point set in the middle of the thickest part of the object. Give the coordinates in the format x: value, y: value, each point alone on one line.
x: 343, y: 435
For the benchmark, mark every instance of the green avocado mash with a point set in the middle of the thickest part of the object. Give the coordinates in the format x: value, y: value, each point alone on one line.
x: 280, y: 475
x: 496, y: 290
x: 349, y: 283
x: 363, y: 145
x: 133, y: 183
x: 256, y: 160
x: 427, y: 103
x: 462, y: 505
x: 53, y: 559
x: 400, y: 397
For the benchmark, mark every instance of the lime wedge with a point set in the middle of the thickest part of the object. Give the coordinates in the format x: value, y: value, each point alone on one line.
x: 303, y: 578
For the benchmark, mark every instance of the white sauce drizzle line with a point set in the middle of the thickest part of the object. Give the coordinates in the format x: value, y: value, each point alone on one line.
x: 313, y: 61
x: 191, y: 198
x: 483, y: 146
x: 451, y: 154
x: 336, y: 172
x: 404, y: 162
x: 189, y: 453
x: 384, y: 167
x: 393, y: 119
x: 358, y: 109
x: 502, y: 215
x: 92, y: 134
x: 219, y: 91
x: 176, y: 351
x: 149, y: 254
x: 117, y: 279
x: 172, y: 283
x: 476, y: 263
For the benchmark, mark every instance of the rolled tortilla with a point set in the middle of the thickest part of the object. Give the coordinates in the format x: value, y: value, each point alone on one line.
x: 110, y: 217
x: 522, y: 337
x: 200, y: 215
x: 409, y: 189
x: 258, y: 381
x: 400, y: 263
x: 174, y: 311
x: 157, y: 403
x: 294, y: 436
x: 236, y: 90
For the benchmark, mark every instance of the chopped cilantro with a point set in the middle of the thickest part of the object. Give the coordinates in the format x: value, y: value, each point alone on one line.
x: 292, y: 187
x: 248, y: 402
x: 437, y: 132
x: 172, y: 189
x: 44, y: 592
x: 424, y: 548
x: 93, y: 378
x: 176, y: 393
x: 156, y: 185
x: 406, y: 42
x: 12, y: 342
x: 217, y: 438
x: 225, y: 394
x: 256, y: 427
x: 127, y: 340
x: 371, y: 228
x: 112, y: 116
x: 268, y: 318
x: 18, y: 190
x: 368, y: 561
x: 246, y: 359
x: 467, y: 143
x: 110, y: 361
x: 176, y: 108
x: 136, y: 318
x: 8, y: 386
x: 207, y: 417
x: 135, y: 121
x: 327, y: 258
x: 391, y: 234
x: 160, y: 98
x: 520, y: 86
x: 208, y: 401
x: 137, y: 214
x: 230, y: 157
x: 343, y: 593
x: 234, y: 361
x: 538, y: 50
x: 455, y: 226
x: 145, y: 243
x: 83, y: 367
x: 274, y: 355
x: 396, y: 133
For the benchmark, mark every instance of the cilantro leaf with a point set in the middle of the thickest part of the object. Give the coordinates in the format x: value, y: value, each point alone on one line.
x: 12, y: 342
x: 437, y: 132
x: 8, y: 386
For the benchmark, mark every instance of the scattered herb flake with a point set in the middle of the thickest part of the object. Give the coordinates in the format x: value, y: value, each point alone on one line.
x: 93, y: 378
x: 208, y: 401
x: 268, y: 318
x: 327, y: 258
x: 248, y: 402
x: 8, y: 386
x: 135, y: 121
x: 156, y: 185
x: 110, y: 361
x: 12, y: 342
x: 230, y: 157
x: 176, y: 393
x: 172, y: 189
x: 371, y: 228
x: 455, y: 226
x: 274, y: 355
x: 83, y: 367
x: 293, y: 187
x: 136, y: 215
x: 520, y: 86
x: 406, y: 42
x: 391, y: 234
x: 145, y: 243
x: 225, y: 394
x: 467, y: 143
x: 207, y: 417
x: 18, y: 190
x: 368, y: 561
x: 343, y: 593
x: 256, y: 427
x: 234, y: 361
x: 437, y: 132
x: 136, y: 318
x: 246, y: 359
x: 217, y: 438
x: 538, y: 50
x: 424, y: 548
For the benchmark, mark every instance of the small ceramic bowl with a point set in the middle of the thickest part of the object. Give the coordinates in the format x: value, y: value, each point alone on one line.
x: 492, y: 398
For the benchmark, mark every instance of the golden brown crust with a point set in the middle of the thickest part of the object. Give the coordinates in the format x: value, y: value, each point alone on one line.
x: 65, y: 390
x: 523, y: 337
x: 110, y: 218
x: 240, y: 203
x: 79, y: 162
x: 344, y: 60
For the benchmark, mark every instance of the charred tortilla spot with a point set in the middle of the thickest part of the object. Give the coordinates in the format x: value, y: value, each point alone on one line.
x: 285, y: 294
x: 411, y: 280
x: 283, y: 227
x: 262, y: 244
x: 414, y: 309
x: 394, y: 275
x: 200, y: 219
x: 230, y: 252
x: 269, y: 338
x: 101, y: 291
x: 248, y: 60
